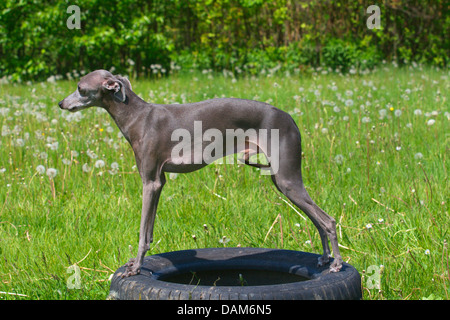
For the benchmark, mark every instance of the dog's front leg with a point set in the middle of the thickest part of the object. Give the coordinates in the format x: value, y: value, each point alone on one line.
x: 150, y: 197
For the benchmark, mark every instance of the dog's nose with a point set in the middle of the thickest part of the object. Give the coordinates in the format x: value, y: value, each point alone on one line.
x: 60, y: 104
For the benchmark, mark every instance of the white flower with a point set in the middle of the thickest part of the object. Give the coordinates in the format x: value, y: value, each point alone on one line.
x: 430, y: 122
x: 53, y: 145
x: 173, y: 176
x: 2, y: 170
x: 99, y: 164
x: 74, y: 153
x: 339, y: 158
x: 427, y: 252
x: 224, y: 240
x: 20, y: 142
x: 52, y: 172
x: 447, y: 115
x: 114, y: 166
x: 369, y: 226
x: 40, y: 169
x: 91, y: 154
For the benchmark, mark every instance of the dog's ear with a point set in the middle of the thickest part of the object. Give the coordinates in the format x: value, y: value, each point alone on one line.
x: 125, y: 81
x: 115, y: 85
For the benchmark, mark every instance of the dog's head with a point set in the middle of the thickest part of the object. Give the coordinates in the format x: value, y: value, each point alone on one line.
x: 97, y: 88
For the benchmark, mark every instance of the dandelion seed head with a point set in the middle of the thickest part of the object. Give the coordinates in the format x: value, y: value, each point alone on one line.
x: 86, y: 168
x: 52, y: 172
x: 20, y: 142
x: 339, y: 159
x: 99, y: 164
x: 349, y: 102
x: 224, y: 240
x: 114, y: 166
x: 40, y: 169
x: 173, y: 176
x: 74, y: 153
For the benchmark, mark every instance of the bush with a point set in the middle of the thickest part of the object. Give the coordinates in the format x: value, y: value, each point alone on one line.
x: 339, y: 55
x: 238, y: 35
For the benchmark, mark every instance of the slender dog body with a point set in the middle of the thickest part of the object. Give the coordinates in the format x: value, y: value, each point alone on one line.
x: 150, y: 128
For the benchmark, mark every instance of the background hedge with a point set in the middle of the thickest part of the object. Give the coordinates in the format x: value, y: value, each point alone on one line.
x: 144, y: 38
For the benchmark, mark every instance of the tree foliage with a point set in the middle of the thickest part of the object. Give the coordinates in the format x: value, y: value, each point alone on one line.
x: 134, y: 36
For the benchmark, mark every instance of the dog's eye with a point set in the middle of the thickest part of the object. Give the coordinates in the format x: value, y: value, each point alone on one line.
x: 81, y: 91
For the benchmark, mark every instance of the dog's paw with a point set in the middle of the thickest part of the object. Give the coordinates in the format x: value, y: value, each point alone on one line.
x: 336, y: 266
x: 132, y: 268
x: 323, y: 260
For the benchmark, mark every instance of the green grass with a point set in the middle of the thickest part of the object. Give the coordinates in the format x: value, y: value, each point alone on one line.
x: 384, y: 179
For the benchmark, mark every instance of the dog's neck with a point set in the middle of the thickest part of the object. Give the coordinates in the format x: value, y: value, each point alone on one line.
x: 127, y: 113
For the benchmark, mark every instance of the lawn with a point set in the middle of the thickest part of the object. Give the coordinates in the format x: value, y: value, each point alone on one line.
x: 375, y: 157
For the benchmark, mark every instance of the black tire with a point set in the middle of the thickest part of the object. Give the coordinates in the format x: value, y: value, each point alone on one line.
x: 160, y: 276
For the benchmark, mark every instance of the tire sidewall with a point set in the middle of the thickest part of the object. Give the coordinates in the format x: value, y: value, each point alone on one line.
x: 322, y: 285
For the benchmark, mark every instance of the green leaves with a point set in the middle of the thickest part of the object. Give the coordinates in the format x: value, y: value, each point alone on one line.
x: 35, y: 42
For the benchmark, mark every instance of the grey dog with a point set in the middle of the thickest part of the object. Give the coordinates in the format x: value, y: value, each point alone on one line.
x: 149, y: 129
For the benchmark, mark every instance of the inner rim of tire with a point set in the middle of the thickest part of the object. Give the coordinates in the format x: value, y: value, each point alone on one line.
x: 232, y: 277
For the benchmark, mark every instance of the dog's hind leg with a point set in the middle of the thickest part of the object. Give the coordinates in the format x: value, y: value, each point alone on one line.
x: 289, y: 181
